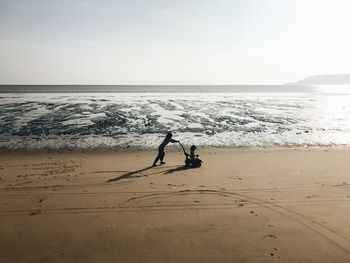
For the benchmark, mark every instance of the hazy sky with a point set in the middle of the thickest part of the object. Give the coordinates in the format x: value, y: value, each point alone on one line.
x: 172, y: 42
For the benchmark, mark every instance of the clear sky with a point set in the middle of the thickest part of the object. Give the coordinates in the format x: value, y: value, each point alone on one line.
x: 172, y: 42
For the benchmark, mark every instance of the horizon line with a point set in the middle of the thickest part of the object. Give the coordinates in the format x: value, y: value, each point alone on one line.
x: 283, y: 84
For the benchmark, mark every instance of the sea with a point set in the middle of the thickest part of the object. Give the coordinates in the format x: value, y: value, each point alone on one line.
x: 111, y: 118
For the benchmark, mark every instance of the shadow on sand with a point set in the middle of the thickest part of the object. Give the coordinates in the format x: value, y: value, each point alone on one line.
x: 129, y: 174
x: 134, y: 174
x: 177, y: 169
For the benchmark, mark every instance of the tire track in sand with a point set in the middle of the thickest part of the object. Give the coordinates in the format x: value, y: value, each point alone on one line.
x: 331, y: 236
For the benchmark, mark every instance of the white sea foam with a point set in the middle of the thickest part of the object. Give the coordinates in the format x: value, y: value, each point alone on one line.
x: 108, y: 121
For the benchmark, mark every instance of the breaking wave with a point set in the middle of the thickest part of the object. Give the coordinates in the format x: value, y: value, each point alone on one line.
x: 110, y: 121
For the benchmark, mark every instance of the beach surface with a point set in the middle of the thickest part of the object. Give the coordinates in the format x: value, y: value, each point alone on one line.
x: 242, y: 205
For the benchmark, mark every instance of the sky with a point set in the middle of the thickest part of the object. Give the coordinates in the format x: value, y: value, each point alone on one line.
x: 172, y: 42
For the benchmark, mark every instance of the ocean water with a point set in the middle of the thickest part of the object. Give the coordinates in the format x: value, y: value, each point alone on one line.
x: 81, y: 118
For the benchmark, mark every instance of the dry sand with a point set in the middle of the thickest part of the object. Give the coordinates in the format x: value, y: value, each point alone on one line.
x: 243, y: 205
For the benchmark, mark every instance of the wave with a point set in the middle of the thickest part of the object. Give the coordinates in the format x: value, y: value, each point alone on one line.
x: 117, y: 121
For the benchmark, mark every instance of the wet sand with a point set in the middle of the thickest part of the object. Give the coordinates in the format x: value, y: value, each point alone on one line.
x: 243, y: 205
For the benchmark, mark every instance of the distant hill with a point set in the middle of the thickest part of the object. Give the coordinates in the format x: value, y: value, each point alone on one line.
x: 325, y: 79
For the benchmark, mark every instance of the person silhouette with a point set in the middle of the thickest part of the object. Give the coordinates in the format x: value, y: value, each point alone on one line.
x: 192, y: 160
x: 161, y: 152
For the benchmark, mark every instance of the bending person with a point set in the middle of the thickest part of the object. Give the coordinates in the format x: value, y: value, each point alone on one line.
x: 161, y: 152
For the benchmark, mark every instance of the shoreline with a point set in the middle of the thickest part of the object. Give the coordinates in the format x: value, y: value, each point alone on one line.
x: 173, y: 149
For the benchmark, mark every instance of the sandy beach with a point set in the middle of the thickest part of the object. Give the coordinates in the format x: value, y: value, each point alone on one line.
x: 243, y: 205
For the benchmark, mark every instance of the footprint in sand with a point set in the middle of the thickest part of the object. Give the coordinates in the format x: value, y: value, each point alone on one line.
x: 252, y: 212
x: 271, y: 236
x: 273, y: 253
x: 236, y: 178
x: 309, y: 196
x: 35, y: 213
x: 176, y: 184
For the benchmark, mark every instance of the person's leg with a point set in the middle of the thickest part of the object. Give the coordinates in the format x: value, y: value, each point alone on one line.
x: 156, y: 160
x: 188, y: 163
x: 161, y: 156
